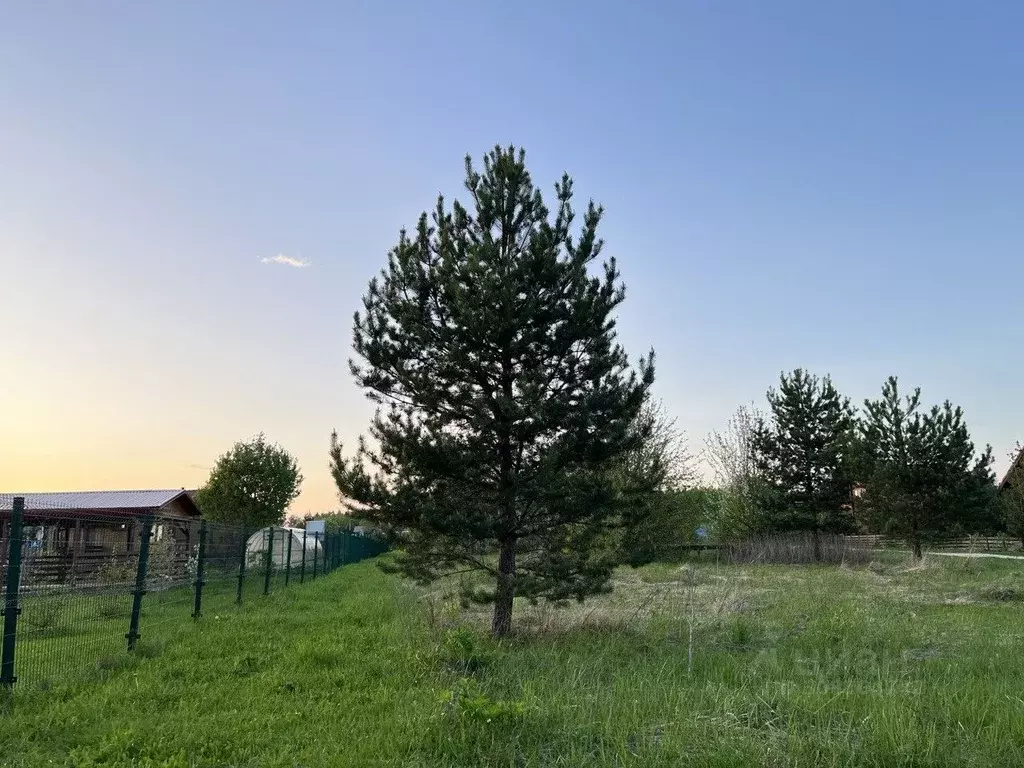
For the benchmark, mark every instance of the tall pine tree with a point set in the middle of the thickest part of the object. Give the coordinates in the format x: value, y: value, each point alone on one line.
x: 507, y: 404
x: 924, y: 477
x: 802, y: 453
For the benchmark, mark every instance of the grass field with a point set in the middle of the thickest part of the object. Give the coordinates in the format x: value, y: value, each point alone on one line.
x: 699, y: 664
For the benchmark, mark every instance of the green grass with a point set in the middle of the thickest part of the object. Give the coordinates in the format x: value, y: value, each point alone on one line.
x: 68, y: 635
x: 787, y: 666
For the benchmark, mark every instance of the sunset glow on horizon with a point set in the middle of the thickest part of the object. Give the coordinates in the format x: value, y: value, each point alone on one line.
x: 193, y: 200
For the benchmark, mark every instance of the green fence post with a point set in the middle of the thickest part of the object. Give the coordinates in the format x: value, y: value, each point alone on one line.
x: 288, y: 560
x: 197, y: 608
x: 11, y: 608
x: 241, y: 569
x: 302, y: 568
x: 140, y: 581
x: 316, y: 547
x: 270, y: 560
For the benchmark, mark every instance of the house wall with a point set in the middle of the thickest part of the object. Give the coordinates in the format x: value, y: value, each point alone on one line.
x: 177, y: 508
x: 111, y: 537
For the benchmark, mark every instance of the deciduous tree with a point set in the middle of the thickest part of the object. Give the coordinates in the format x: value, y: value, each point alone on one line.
x: 251, y: 484
x: 731, y: 457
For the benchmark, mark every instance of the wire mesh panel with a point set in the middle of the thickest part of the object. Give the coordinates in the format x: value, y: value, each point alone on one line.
x: 171, y: 570
x: 77, y: 577
x: 82, y: 588
x: 223, y: 567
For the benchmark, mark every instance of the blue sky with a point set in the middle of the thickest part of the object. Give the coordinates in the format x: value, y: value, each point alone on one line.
x: 838, y: 186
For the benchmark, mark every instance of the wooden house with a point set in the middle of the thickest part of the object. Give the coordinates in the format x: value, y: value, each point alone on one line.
x: 1014, y: 465
x: 72, y: 535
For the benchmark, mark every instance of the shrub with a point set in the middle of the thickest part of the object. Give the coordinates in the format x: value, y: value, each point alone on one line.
x: 740, y: 509
x: 164, y: 566
x: 117, y: 571
x: 670, y: 526
x: 464, y: 652
x: 468, y: 701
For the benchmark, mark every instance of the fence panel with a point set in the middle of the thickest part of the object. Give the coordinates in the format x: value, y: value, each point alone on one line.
x: 993, y: 544
x: 82, y: 588
x: 76, y: 592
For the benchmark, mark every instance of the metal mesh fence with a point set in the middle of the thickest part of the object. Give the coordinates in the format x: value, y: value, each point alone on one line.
x: 82, y: 588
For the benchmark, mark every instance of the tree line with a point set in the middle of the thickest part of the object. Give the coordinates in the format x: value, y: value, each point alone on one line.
x: 815, y: 463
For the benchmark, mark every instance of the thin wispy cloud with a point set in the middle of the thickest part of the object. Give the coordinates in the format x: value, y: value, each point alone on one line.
x: 289, y: 261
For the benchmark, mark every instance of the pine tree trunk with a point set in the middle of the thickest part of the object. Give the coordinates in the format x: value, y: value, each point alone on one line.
x: 817, y: 545
x: 918, y: 554
x: 501, y: 623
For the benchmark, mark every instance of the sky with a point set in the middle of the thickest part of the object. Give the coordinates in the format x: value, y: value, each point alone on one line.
x: 193, y: 197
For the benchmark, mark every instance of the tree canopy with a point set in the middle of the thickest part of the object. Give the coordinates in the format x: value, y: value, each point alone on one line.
x: 506, y: 404
x: 252, y: 484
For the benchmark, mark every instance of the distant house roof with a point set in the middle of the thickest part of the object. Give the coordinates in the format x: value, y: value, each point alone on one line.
x: 102, y: 501
x: 1016, y: 461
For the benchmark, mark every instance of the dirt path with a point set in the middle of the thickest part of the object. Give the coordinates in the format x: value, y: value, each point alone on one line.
x: 978, y: 554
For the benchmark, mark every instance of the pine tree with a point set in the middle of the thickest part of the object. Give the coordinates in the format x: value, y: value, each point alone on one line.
x: 925, y: 478
x: 506, y: 403
x: 802, y: 453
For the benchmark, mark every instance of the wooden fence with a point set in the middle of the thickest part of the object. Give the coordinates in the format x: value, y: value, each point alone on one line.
x: 990, y: 544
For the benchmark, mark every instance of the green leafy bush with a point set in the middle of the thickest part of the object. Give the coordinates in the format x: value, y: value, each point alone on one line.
x: 670, y: 526
x: 468, y: 701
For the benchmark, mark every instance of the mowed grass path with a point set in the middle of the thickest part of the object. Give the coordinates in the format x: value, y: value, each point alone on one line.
x: 881, y: 666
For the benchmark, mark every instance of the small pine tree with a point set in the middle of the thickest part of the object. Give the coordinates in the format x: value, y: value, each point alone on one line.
x: 507, y: 403
x: 925, y: 478
x: 802, y: 454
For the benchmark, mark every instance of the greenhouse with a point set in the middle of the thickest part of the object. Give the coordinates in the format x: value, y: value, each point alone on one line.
x: 283, y: 543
